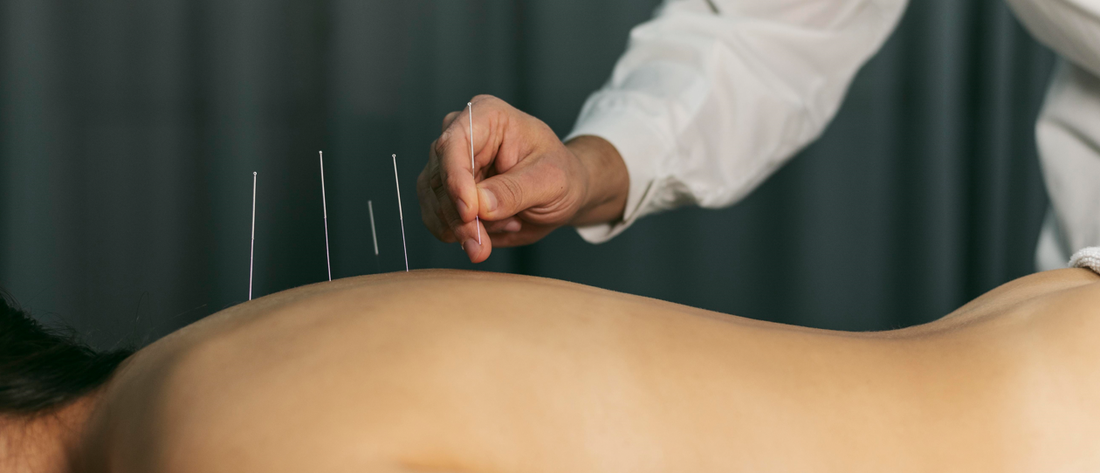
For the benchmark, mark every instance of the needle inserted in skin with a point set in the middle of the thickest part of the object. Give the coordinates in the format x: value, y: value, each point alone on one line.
x: 473, y: 167
x: 324, y: 203
x: 374, y: 235
x: 252, y: 253
x: 401, y: 213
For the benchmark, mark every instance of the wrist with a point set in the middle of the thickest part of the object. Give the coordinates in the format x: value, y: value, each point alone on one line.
x: 607, y: 181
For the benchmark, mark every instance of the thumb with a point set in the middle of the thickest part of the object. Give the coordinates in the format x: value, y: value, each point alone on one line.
x: 522, y: 187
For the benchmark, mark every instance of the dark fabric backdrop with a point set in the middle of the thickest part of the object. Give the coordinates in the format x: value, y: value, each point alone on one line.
x: 129, y: 131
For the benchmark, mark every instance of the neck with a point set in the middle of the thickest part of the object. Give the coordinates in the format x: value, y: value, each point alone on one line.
x: 47, y: 442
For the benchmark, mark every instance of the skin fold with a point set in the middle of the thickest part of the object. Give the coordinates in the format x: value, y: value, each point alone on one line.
x: 475, y: 372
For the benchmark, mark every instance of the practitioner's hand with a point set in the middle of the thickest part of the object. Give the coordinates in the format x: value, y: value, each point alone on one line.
x: 525, y: 182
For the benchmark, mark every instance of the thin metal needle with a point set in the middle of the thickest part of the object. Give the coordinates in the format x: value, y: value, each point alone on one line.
x: 252, y: 253
x: 473, y: 167
x: 401, y: 213
x: 374, y: 235
x: 324, y: 203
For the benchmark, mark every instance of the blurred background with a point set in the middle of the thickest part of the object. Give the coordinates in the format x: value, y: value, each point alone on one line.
x: 129, y: 131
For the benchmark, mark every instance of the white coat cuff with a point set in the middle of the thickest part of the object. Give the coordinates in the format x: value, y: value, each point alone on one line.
x: 640, y: 146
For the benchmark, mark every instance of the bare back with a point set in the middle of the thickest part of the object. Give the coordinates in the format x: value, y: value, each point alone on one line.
x: 454, y: 371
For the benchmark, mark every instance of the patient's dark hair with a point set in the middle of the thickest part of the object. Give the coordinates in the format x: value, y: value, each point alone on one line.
x: 42, y: 369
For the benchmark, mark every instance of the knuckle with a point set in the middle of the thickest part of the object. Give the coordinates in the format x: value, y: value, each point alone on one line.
x: 448, y: 119
x: 439, y: 146
x: 484, y: 98
x: 442, y: 171
x: 433, y: 167
x: 441, y: 194
x: 452, y: 220
x: 441, y: 217
x: 455, y: 182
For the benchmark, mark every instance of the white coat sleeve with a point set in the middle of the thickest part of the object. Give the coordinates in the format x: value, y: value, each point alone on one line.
x: 1070, y: 27
x: 1068, y: 131
x: 705, y: 105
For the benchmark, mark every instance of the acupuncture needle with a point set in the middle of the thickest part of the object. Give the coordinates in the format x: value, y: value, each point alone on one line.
x: 473, y: 167
x: 374, y: 236
x: 252, y: 252
x: 401, y: 213
x: 324, y: 203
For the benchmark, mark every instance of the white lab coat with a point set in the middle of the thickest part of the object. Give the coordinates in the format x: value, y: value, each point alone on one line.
x: 703, y: 107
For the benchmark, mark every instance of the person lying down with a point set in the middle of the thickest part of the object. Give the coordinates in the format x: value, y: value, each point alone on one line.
x: 471, y: 372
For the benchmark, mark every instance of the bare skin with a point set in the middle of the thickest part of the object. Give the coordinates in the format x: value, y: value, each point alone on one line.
x: 416, y: 372
x: 48, y: 441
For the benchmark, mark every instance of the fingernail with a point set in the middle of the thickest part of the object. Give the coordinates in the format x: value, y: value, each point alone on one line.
x: 487, y: 199
x: 472, y: 248
x: 513, y: 226
x: 462, y: 207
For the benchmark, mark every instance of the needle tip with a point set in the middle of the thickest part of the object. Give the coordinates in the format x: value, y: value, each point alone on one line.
x: 253, y: 173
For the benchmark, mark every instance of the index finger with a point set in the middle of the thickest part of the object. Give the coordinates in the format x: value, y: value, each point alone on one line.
x: 458, y: 164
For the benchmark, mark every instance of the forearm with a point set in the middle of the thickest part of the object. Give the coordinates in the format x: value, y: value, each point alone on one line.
x: 608, y: 181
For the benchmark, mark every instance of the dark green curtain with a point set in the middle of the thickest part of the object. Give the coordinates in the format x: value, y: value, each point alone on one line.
x: 129, y: 132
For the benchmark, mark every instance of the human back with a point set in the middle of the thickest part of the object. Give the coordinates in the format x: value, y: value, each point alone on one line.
x: 416, y: 371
